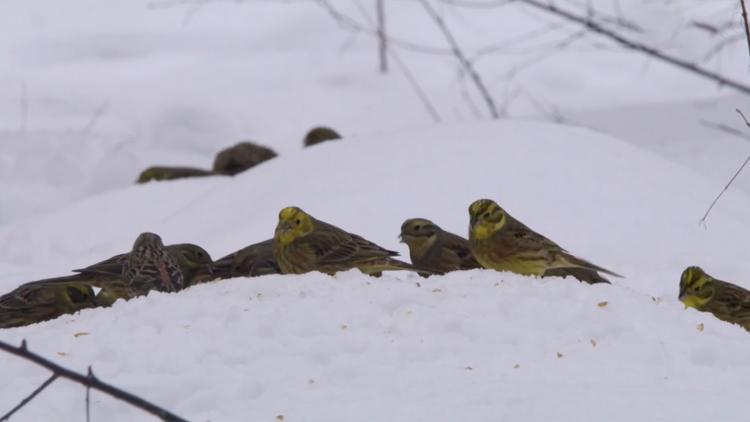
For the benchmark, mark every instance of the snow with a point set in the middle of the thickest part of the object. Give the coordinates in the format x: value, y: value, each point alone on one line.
x: 623, y: 183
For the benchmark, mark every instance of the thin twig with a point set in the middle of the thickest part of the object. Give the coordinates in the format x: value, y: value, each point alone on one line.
x: 431, y: 110
x: 28, y: 398
x: 382, y: 41
x: 737, y: 173
x: 88, y: 397
x: 726, y: 128
x: 468, y: 67
x: 91, y: 381
x: 98, y: 112
x: 747, y: 28
x: 633, y: 45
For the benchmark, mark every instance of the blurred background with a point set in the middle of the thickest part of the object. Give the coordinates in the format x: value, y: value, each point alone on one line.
x: 93, y: 92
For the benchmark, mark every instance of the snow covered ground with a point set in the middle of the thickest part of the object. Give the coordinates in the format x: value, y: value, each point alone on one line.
x: 172, y: 86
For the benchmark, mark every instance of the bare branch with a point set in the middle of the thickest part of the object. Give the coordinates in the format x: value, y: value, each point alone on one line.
x: 431, y: 110
x: 90, y: 381
x: 28, y: 398
x: 468, y: 67
x: 737, y: 173
x: 726, y: 128
x: 633, y: 45
x: 382, y: 42
x: 747, y: 33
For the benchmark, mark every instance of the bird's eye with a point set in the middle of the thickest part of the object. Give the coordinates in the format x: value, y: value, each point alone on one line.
x: 486, y: 215
x: 417, y: 227
x: 298, y: 222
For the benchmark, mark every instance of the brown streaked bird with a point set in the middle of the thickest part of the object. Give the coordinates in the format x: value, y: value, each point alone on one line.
x: 302, y: 244
x: 250, y: 261
x: 159, y: 173
x: 726, y: 301
x: 502, y: 243
x: 29, y: 304
x: 240, y: 157
x: 320, y: 134
x: 150, y: 267
x: 194, y: 263
x: 435, y: 249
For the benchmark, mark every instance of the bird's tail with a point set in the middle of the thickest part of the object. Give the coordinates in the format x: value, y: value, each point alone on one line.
x: 582, y: 274
x: 569, y: 260
x: 391, y: 264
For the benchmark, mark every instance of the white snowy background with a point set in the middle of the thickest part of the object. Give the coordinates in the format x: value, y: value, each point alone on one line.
x: 93, y: 92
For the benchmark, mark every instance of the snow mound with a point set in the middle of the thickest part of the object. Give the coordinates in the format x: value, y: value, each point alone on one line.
x: 476, y: 345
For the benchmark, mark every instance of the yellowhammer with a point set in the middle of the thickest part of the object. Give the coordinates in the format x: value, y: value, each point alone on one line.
x: 302, y: 244
x: 502, y: 243
x: 725, y: 301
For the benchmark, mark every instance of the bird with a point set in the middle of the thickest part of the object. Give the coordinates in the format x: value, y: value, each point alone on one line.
x: 251, y: 261
x: 193, y: 261
x: 320, y: 134
x: 150, y: 267
x: 29, y: 304
x: 240, y: 157
x: 302, y: 244
x: 435, y: 249
x: 726, y: 301
x: 502, y: 243
x: 160, y: 173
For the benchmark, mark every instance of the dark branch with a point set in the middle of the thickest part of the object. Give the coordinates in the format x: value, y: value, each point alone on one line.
x: 28, y: 398
x: 633, y: 45
x: 747, y: 33
x: 90, y: 381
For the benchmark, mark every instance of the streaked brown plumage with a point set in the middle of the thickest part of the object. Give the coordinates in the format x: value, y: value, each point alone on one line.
x: 240, y: 157
x: 194, y: 263
x: 435, y: 249
x: 150, y: 267
x: 251, y: 261
x: 726, y: 301
x: 303, y: 244
x: 29, y: 304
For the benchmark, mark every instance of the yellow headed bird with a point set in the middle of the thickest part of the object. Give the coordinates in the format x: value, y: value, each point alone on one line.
x: 302, y: 243
x: 725, y: 301
x: 502, y: 243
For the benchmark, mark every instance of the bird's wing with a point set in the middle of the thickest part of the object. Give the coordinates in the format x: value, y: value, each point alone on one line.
x: 735, y: 299
x: 253, y: 260
x: 335, y: 246
x: 108, y: 266
x: 526, y: 238
x: 460, y: 249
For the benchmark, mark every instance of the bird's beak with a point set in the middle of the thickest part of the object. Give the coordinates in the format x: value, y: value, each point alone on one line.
x: 283, y: 227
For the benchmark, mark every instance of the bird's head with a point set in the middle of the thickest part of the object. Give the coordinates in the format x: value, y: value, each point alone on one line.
x: 293, y: 224
x: 193, y: 259
x: 696, y: 288
x: 485, y: 218
x: 147, y: 240
x: 418, y: 231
